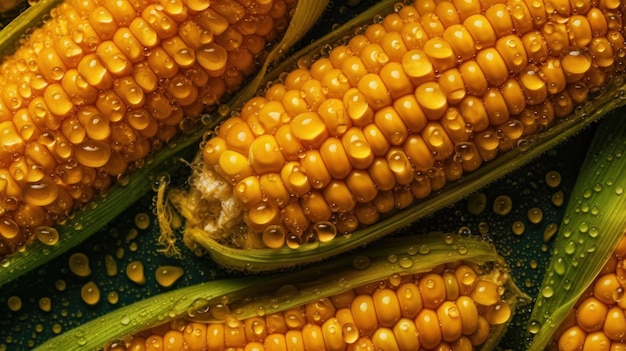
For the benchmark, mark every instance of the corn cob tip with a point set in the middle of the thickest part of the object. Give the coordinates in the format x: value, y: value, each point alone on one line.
x: 416, y: 100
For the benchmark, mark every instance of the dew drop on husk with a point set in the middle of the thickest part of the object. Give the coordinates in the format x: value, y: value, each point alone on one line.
x: 47, y: 235
x: 361, y: 262
x: 549, y: 231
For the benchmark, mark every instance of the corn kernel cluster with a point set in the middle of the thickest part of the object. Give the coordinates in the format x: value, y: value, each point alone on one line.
x: 415, y: 100
x: 598, y: 321
x: 102, y: 84
x: 452, y: 307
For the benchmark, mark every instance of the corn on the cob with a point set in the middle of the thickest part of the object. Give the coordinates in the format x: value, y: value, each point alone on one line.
x: 598, y: 321
x: 104, y: 83
x: 420, y: 98
x: 451, y: 307
x: 392, y: 283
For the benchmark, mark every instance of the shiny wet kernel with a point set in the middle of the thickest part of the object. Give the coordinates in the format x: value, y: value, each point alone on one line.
x: 439, y: 90
x: 108, y: 87
x: 384, y: 315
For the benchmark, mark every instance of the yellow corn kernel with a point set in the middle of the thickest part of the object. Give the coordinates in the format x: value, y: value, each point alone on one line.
x: 103, y: 83
x: 383, y: 315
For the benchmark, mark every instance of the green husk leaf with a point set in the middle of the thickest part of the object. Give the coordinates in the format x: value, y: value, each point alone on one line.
x: 283, y: 291
x: 102, y: 210
x: 527, y: 149
x: 586, y: 238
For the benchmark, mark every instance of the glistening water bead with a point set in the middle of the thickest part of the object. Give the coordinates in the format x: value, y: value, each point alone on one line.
x: 79, y: 264
x: 135, y: 272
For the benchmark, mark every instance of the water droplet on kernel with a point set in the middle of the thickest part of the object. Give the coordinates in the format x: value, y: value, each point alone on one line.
x: 325, y: 231
x: 47, y: 235
x: 350, y: 333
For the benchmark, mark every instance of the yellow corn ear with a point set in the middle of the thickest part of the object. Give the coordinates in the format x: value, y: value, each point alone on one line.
x: 102, y: 84
x: 454, y: 306
x: 417, y: 100
x: 440, y: 291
